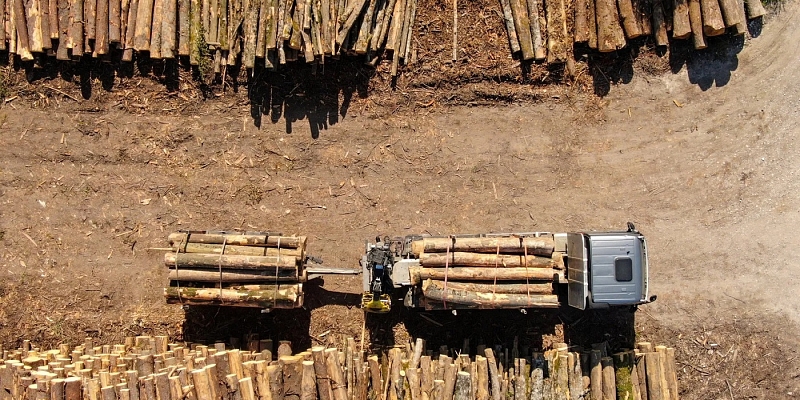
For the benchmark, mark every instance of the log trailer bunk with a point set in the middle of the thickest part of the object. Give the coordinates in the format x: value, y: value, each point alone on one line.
x: 584, y: 270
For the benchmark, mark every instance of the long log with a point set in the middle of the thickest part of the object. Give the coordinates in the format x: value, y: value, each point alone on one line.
x: 610, y: 36
x: 130, y: 24
x: 435, y: 293
x: 4, y: 21
x: 232, y: 276
x: 581, y: 24
x: 114, y: 21
x: 321, y: 372
x: 292, y: 376
x: 671, y: 373
x: 624, y: 383
x: 90, y: 21
x: 754, y: 8
x: 433, y: 260
x: 501, y: 287
x: 201, y: 260
x: 508, y: 19
x: 655, y: 389
x: 642, y: 374
x: 539, y: 49
x: 522, y: 25
x: 250, y: 33
x: 609, y: 378
x: 596, y: 375
x: 592, y: 41
x: 195, y: 34
x: 540, y: 246
x: 155, y: 33
x: 290, y: 242
x: 183, y: 27
x: 44, y: 18
x: 289, y: 297
x: 576, y: 377
x: 681, y: 25
x: 76, y: 27
x: 52, y: 13
x: 696, y: 22
x: 261, y: 30
x: 635, y: 381
x: 483, y: 274
x: 335, y: 374
x: 713, y: 25
x: 34, y: 25
x: 629, y: 19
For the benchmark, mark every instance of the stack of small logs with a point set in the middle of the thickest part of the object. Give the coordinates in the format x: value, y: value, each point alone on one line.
x: 538, y: 28
x: 271, y: 32
x: 151, y: 368
x: 246, y: 270
x: 487, y: 272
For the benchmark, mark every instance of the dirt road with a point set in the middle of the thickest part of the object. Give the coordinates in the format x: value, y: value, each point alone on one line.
x: 709, y: 172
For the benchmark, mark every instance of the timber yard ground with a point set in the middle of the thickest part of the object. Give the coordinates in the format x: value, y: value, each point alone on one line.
x: 705, y: 162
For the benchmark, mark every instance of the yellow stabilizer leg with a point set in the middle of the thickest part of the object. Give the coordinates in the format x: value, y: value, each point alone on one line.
x: 380, y: 305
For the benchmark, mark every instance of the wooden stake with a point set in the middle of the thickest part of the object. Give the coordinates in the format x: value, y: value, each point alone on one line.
x: 592, y: 41
x: 539, y: 51
x: 184, y: 29
x: 660, y: 24
x: 144, y: 23
x: 52, y: 13
x: 732, y: 12
x: 261, y: 30
x: 508, y: 18
x: 34, y: 25
x: 755, y: 9
x: 195, y: 33
x: 696, y: 22
x: 609, y: 378
x: 169, y: 30
x: 655, y: 389
x: 156, y: 32
x: 629, y: 19
x: 62, y: 53
x: 610, y: 36
x: 581, y: 24
x: 335, y: 375
x: 90, y: 20
x: 250, y: 32
x: 713, y: 25
x: 102, y: 27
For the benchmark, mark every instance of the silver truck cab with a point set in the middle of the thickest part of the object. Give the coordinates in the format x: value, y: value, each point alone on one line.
x: 606, y: 269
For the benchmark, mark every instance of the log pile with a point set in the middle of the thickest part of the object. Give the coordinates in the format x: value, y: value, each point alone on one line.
x: 487, y: 272
x: 228, y: 32
x: 151, y: 368
x: 230, y: 269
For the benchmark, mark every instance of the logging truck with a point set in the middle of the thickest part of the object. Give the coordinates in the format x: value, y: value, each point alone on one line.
x: 582, y: 270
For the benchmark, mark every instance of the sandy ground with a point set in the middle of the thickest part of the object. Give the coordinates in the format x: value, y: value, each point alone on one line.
x: 705, y: 162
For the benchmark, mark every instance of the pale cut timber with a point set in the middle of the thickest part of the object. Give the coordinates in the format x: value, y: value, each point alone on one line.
x: 229, y: 276
x: 655, y: 389
x: 419, y: 274
x: 559, y: 42
x: 681, y: 26
x: 201, y: 260
x: 732, y: 12
x: 508, y: 19
x: 101, y: 26
x: 464, y: 259
x: 34, y: 22
x: 609, y: 378
x: 144, y: 25
x: 539, y: 49
x: 592, y: 41
x: 540, y: 246
x: 522, y: 25
x: 596, y: 375
x: 291, y: 242
x: 713, y: 25
x: 435, y: 294
x: 23, y: 44
x: 502, y: 287
x: 169, y: 28
x: 581, y: 24
x: 290, y: 297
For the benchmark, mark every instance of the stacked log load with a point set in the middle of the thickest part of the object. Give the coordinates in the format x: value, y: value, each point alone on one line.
x: 241, y: 32
x: 151, y: 368
x: 487, y: 272
x: 232, y: 269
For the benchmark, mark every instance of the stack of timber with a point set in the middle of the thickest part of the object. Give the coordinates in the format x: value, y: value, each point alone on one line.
x: 236, y: 269
x: 241, y: 32
x: 487, y: 272
x: 151, y: 368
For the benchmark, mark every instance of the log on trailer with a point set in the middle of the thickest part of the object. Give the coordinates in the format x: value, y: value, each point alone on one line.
x: 228, y: 276
x: 419, y: 274
x: 239, y: 239
x: 436, y: 294
x: 540, y: 246
x: 283, y: 296
x: 489, y: 260
x: 201, y: 260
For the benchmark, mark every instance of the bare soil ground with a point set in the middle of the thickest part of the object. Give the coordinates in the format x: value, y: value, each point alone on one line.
x: 705, y: 162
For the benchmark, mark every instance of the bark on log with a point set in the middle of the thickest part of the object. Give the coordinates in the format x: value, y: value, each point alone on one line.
x: 629, y: 19
x: 289, y: 242
x: 223, y: 29
x: 610, y: 36
x: 635, y: 381
x: 308, y: 386
x: 261, y: 30
x: 696, y: 22
x: 62, y: 53
x: 581, y: 24
x: 660, y: 24
x: 72, y: 388
x: 522, y: 25
x: 4, y: 24
x: 144, y: 24
x: 183, y: 27
x: 271, y: 28
x: 754, y: 8
x: 413, y: 384
x: 275, y: 377
x: 539, y: 50
x: 463, y: 389
x: 459, y: 259
x: 90, y: 20
x: 102, y: 27
x: 201, y: 260
x: 642, y: 374
x: 540, y: 246
x: 246, y: 389
x: 52, y: 14
x: 508, y: 19
x: 195, y: 35
x: 33, y: 20
x: 732, y: 12
x: 419, y: 274
x: 44, y: 22
x: 537, y: 380
x: 76, y: 30
x: 434, y: 291
x: 130, y: 25
x: 575, y: 377
x: 169, y: 30
x: 624, y: 383
x: 114, y: 21
x: 713, y: 25
x: 232, y: 276
x: 671, y: 373
x: 482, y: 391
x: 351, y: 19
x: 450, y: 376
x: 561, y: 376
x: 655, y: 389
x: 289, y: 297
x: 156, y: 32
x: 681, y: 26
x: 250, y: 34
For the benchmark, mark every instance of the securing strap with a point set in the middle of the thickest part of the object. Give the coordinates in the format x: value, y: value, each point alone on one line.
x: 452, y: 243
